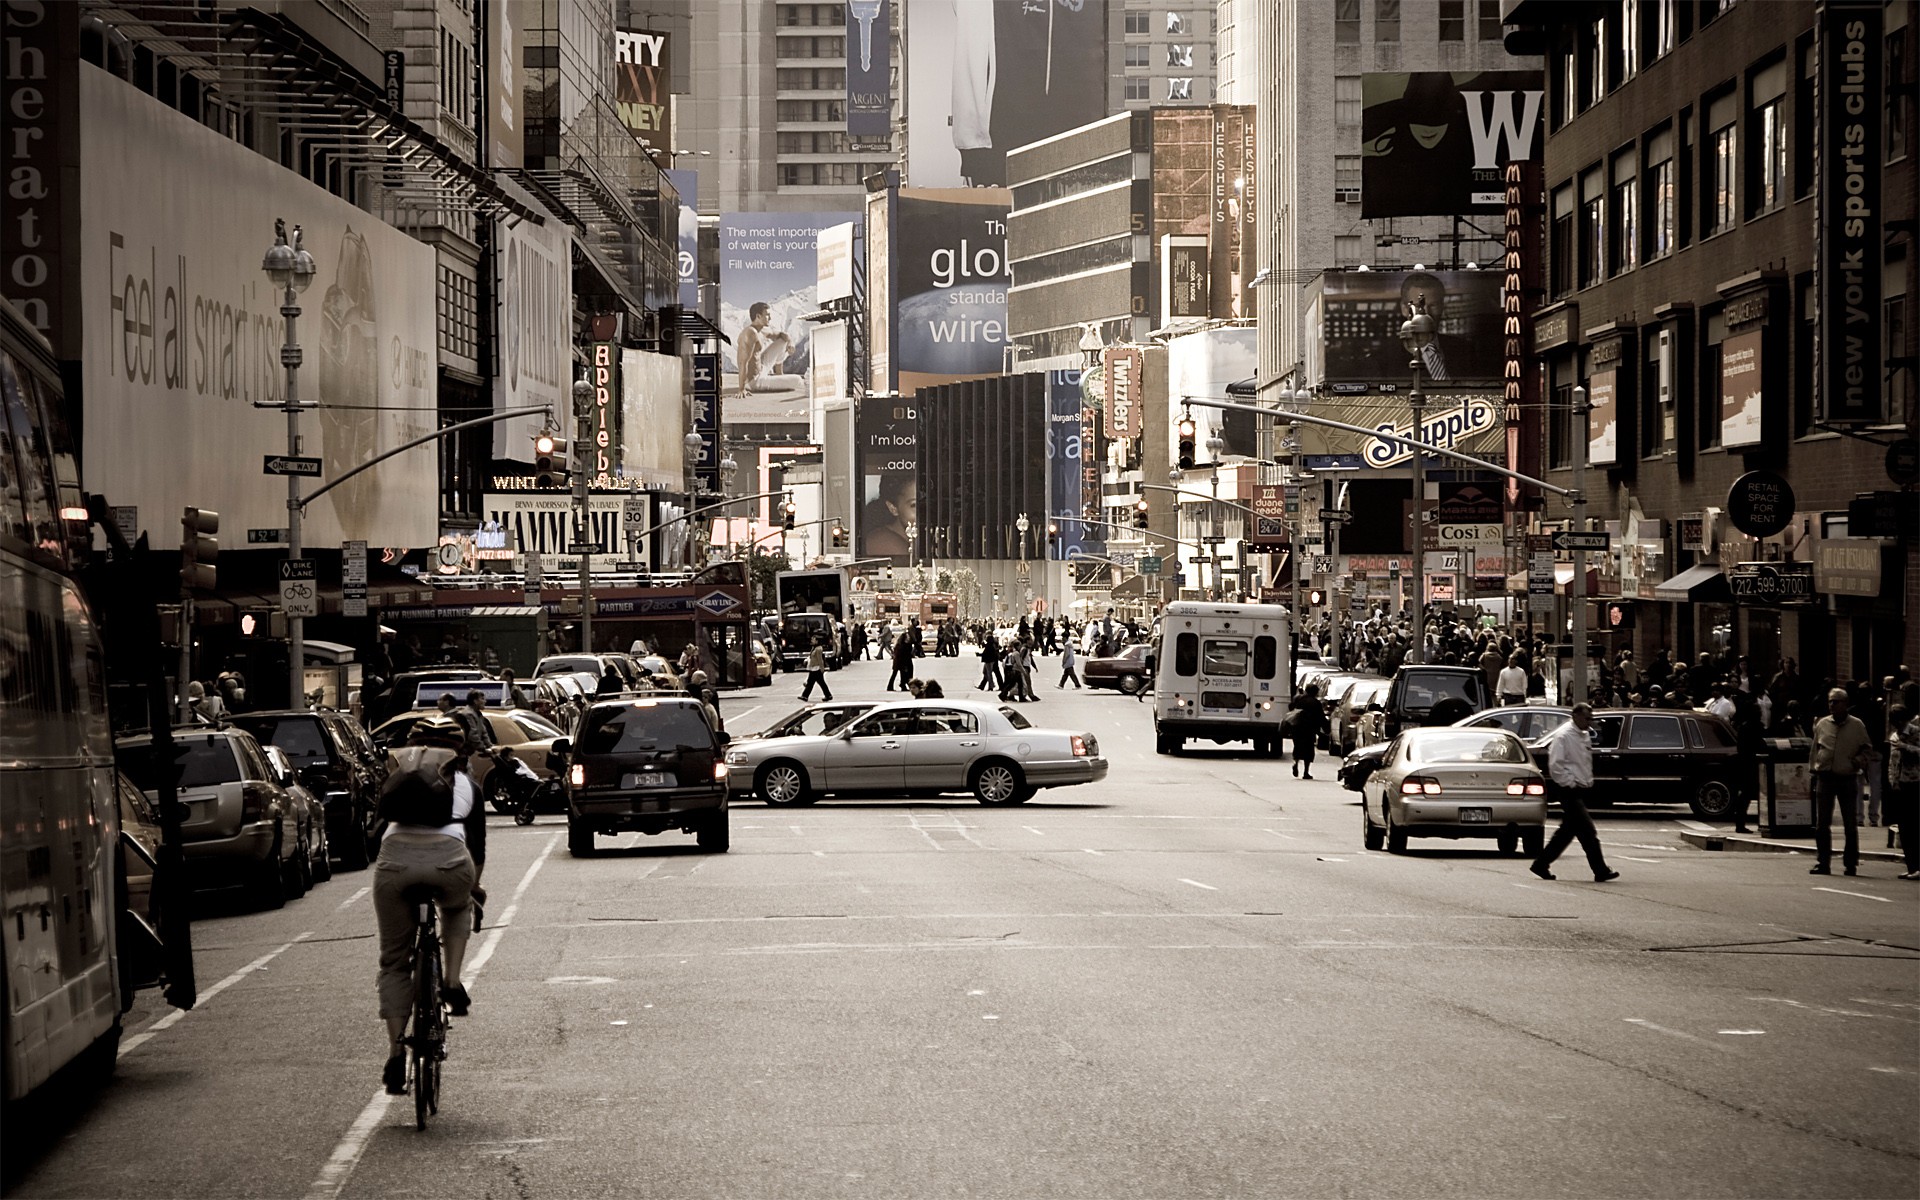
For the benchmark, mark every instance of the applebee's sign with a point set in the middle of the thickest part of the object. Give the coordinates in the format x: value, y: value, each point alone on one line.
x: 1443, y: 431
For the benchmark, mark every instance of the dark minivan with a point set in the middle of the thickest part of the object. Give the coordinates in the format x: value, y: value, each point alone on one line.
x: 338, y: 765
x: 650, y: 764
x: 1423, y: 694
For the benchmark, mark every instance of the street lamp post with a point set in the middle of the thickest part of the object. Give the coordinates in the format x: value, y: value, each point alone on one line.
x: 1416, y: 335
x: 1215, y: 444
x: 1022, y: 524
x: 728, y: 468
x: 913, y: 545
x: 582, y: 406
x: 290, y: 268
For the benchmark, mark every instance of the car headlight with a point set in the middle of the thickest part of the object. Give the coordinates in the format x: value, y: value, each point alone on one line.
x: 736, y: 758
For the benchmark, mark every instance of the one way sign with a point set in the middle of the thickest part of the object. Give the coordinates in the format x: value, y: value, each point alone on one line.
x: 1567, y: 540
x: 288, y: 464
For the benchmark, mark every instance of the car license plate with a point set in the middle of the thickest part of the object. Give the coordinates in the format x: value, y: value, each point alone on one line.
x: 1470, y: 816
x: 640, y: 779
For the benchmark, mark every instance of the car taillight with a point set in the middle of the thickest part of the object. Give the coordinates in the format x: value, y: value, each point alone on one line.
x: 1079, y: 746
x: 1419, y: 785
x: 719, y: 770
x: 577, y: 775
x: 1526, y: 787
x: 253, y: 802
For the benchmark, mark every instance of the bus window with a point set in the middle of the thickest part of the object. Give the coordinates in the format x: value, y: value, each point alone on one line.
x: 1225, y: 656
x: 1265, y: 657
x: 1186, y: 654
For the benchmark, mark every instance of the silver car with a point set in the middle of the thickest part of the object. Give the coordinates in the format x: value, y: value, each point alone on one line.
x: 1455, y: 782
x: 918, y: 748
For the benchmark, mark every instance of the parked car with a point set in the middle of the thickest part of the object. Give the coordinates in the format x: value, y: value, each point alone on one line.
x: 813, y: 719
x: 591, y: 664
x: 531, y: 736
x: 239, y: 823
x: 1425, y: 694
x: 1344, y: 718
x: 312, y: 818
x: 139, y: 847
x: 337, y: 761
x: 1334, y: 691
x: 404, y: 690
x: 647, y: 763
x: 665, y: 675
x: 918, y: 748
x: 1455, y: 783
x: 1529, y: 722
x: 1662, y: 756
x: 1126, y: 670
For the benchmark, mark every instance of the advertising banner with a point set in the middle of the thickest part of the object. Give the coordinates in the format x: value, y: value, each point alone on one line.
x: 543, y: 525
x: 833, y: 262
x: 1437, y: 142
x: 830, y: 370
x: 687, y: 183
x: 1847, y: 266
x: 1204, y: 364
x: 703, y: 372
x: 869, y: 70
x: 1740, y: 359
x: 880, y: 290
x: 1603, y: 424
x: 536, y: 328
x: 1446, y: 429
x: 643, y: 86
x: 952, y: 277
x: 1011, y: 72
x: 183, y: 332
x: 1269, y: 516
x: 1122, y: 367
x: 602, y: 452
x: 886, y: 438
x: 1202, y: 209
x: 1186, y: 270
x: 1066, y: 457
x: 769, y: 281
x: 651, y: 420
x: 506, y: 83
x: 1353, y: 326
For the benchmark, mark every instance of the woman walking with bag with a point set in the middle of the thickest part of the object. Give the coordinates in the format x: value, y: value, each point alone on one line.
x: 1303, y: 726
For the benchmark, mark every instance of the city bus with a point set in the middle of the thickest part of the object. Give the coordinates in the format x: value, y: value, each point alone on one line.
x: 62, y: 874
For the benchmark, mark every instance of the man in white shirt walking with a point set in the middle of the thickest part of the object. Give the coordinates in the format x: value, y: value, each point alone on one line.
x: 1512, y: 682
x: 1569, y: 783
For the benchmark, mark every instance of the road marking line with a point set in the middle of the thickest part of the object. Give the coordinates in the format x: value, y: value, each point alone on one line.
x: 1035, y: 832
x: 1861, y: 895
x: 339, y: 1166
x: 741, y: 716
x: 350, y: 899
x: 1833, y: 1012
x: 1196, y: 883
x: 913, y: 822
x: 1092, y: 851
x: 1631, y: 858
x: 819, y: 853
x: 1278, y: 834
x: 1742, y: 1032
x: 173, y: 1018
x: 1676, y: 1033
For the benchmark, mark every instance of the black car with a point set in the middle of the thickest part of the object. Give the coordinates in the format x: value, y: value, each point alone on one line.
x: 1423, y: 694
x: 649, y: 763
x: 337, y: 764
x: 1662, y: 756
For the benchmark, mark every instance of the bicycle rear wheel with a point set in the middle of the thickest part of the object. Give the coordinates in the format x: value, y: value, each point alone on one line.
x: 428, y: 1029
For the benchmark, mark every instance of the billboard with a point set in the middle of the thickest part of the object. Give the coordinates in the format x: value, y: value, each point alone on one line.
x: 653, y: 414
x: 643, y: 86
x: 1067, y: 452
x: 182, y: 333
x: 536, y: 328
x: 1203, y: 365
x: 986, y: 76
x: 1740, y: 375
x: 543, y: 524
x: 687, y: 183
x: 880, y: 265
x: 1124, y: 372
x: 1437, y: 142
x: 1202, y: 202
x: 950, y: 281
x: 1353, y: 326
x: 769, y: 282
x: 870, y: 70
x: 1603, y: 424
x: 886, y: 437
x: 1851, y: 65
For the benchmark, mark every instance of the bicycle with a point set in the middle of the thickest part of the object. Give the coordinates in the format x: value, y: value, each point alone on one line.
x: 426, y: 1039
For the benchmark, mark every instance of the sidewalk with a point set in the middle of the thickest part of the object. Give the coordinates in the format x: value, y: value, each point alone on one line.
x: 1873, y: 846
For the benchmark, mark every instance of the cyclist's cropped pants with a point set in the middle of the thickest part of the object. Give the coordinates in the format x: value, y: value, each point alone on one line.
x: 418, y: 859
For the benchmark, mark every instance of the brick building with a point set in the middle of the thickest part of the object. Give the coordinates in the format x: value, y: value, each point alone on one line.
x: 1690, y: 170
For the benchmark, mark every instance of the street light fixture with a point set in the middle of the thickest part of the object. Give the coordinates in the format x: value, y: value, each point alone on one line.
x: 290, y: 268
x: 1417, y: 336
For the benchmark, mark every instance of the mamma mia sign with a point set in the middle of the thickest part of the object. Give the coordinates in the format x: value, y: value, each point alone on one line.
x: 1443, y: 431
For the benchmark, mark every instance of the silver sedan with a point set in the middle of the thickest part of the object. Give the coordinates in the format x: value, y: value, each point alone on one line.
x: 920, y: 748
x: 1455, y: 782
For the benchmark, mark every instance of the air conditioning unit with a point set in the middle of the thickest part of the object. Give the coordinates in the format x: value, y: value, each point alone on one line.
x: 1347, y: 195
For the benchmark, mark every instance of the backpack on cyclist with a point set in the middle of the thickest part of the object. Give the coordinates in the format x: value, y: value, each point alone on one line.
x: 419, y: 790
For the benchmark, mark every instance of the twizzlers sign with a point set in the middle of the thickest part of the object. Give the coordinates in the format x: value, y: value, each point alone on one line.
x: 1851, y: 37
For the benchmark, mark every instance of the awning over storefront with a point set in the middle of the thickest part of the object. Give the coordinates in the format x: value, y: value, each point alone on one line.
x: 1703, y: 584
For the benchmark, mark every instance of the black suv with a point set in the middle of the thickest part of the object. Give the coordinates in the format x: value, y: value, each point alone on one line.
x: 337, y: 764
x: 650, y: 763
x: 1432, y: 695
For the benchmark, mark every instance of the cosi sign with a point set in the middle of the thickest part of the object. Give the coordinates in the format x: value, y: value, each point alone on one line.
x: 1851, y: 40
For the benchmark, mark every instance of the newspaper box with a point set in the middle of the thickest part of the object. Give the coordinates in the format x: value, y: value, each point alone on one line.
x: 1788, y: 771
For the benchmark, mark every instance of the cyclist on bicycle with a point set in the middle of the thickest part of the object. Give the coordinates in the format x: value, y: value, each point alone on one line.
x: 436, y: 840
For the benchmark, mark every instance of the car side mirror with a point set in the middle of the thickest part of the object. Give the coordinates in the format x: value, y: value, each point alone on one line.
x: 724, y: 738
x: 314, y: 776
x: 562, y: 745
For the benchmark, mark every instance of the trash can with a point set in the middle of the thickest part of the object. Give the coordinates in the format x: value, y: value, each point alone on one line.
x: 1788, y: 770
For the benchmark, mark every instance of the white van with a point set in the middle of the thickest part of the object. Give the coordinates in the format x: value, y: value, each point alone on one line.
x: 1224, y: 672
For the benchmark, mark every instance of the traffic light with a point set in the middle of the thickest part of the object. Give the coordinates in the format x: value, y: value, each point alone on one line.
x: 1316, y: 597
x: 839, y: 538
x: 198, y: 547
x: 1186, y: 443
x: 787, y: 512
x: 1140, y: 515
x: 549, y: 459
x: 1053, y: 533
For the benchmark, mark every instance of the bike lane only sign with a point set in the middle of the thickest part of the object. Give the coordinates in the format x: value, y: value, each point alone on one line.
x: 299, y: 588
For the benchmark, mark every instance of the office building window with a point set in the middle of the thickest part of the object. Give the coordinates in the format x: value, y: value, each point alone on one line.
x: 1179, y: 56
x: 1346, y: 250
x: 1568, y: 81
x: 1661, y: 201
x: 1654, y: 343
x: 1720, y: 167
x: 1176, y: 23
x: 1179, y: 89
x: 1663, y: 31
x: 1899, y: 87
x: 1346, y: 100
x: 1596, y: 47
x: 1593, y: 226
x: 1453, y: 20
x: 1346, y: 177
x: 1624, y: 238
x: 1806, y: 326
x: 1683, y: 204
x: 1560, y: 427
x: 1804, y: 117
x: 1560, y: 242
x: 1137, y: 87
x: 1386, y: 20
x: 1899, y: 389
x: 1706, y: 413
x: 1490, y: 28
x: 1769, y: 133
x: 1139, y: 22
x: 1346, y: 22
x: 1137, y: 55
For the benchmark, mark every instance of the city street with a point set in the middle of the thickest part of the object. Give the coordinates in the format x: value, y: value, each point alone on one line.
x: 1187, y: 980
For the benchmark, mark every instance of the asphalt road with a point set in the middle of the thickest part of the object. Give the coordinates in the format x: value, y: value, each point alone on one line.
x: 1189, y: 980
